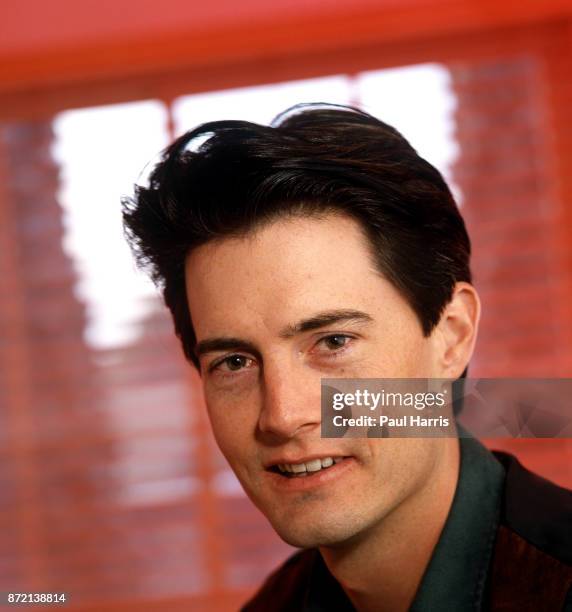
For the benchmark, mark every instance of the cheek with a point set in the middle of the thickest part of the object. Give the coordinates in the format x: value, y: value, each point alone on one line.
x: 232, y: 427
x: 401, y: 462
x: 399, y: 359
x: 223, y: 424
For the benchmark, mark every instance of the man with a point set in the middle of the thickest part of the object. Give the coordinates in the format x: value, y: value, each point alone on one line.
x: 325, y: 247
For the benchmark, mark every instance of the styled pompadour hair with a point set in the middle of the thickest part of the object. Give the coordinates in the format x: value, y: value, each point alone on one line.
x: 227, y: 178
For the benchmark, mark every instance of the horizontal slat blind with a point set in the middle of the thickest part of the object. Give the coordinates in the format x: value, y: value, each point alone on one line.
x: 514, y: 214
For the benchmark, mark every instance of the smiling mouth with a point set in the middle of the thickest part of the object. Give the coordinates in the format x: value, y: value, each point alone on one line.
x: 308, y: 468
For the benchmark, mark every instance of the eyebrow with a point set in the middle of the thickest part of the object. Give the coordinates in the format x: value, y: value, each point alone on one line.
x: 224, y: 343
x: 322, y: 319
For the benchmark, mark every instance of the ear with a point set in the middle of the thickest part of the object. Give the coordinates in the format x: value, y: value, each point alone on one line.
x: 457, y: 331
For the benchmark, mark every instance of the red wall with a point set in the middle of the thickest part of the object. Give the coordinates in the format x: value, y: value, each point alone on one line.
x: 61, y: 40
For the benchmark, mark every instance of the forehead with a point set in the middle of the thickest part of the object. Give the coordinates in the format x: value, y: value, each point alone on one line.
x: 284, y: 271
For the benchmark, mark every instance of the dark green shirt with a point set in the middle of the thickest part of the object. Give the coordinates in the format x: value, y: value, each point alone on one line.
x: 456, y: 577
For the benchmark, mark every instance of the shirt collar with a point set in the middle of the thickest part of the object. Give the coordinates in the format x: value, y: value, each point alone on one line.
x: 456, y: 577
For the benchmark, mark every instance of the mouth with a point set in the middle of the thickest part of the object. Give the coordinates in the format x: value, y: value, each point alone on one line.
x: 305, y: 468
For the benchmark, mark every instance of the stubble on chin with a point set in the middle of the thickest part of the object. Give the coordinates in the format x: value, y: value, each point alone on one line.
x: 318, y: 529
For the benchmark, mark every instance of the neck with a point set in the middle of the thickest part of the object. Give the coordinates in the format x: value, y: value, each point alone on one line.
x: 382, y: 569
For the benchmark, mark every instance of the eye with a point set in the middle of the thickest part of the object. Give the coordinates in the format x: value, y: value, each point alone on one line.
x: 332, y: 345
x: 336, y: 341
x: 232, y: 363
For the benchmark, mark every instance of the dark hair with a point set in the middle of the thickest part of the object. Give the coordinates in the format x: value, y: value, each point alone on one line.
x: 312, y: 160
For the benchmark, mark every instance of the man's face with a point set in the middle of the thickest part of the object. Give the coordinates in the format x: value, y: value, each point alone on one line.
x: 275, y: 312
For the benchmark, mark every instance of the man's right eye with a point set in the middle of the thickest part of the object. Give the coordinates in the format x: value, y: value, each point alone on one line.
x: 232, y: 363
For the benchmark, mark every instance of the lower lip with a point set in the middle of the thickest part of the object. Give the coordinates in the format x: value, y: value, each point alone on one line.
x: 313, y: 479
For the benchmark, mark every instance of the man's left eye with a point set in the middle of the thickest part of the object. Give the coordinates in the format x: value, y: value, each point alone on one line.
x: 336, y: 341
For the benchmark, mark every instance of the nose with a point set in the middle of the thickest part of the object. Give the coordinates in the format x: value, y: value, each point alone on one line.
x: 290, y: 402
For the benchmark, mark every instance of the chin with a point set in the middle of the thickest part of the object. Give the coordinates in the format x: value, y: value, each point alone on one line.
x: 312, y: 534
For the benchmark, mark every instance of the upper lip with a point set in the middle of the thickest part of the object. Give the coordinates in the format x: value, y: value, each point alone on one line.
x: 304, y: 459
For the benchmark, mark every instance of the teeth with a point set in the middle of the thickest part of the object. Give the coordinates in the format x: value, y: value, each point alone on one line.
x: 314, y: 465
x: 302, y: 469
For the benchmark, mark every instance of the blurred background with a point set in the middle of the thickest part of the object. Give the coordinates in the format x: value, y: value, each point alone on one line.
x: 111, y: 487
